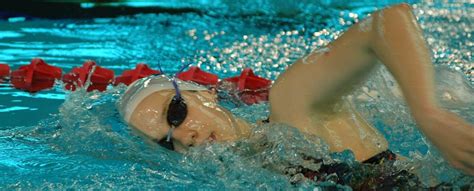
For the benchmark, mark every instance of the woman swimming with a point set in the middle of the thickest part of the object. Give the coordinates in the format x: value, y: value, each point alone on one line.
x: 310, y: 96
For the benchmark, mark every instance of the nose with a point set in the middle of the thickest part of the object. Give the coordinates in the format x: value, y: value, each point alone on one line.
x: 185, y: 136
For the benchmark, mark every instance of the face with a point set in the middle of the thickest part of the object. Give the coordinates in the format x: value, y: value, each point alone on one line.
x: 205, y: 122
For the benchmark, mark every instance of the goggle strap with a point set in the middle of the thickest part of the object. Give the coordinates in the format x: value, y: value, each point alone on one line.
x: 159, y: 68
x: 176, y: 88
x: 182, y: 68
x: 175, y: 85
x: 170, y: 134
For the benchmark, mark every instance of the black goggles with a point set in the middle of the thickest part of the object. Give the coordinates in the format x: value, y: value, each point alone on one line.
x: 176, y: 114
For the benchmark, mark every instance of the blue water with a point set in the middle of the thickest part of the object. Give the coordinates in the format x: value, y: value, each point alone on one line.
x: 56, y: 139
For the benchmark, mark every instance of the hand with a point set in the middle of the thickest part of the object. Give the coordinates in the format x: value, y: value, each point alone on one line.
x: 453, y: 136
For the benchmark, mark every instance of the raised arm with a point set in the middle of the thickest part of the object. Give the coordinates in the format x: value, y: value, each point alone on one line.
x: 393, y: 37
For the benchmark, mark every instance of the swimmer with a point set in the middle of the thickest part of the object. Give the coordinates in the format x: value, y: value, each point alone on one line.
x: 310, y: 96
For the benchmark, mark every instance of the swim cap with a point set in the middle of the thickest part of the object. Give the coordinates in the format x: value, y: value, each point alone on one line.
x: 140, y: 89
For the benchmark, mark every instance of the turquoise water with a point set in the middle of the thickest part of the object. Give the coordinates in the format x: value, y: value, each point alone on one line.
x: 58, y: 140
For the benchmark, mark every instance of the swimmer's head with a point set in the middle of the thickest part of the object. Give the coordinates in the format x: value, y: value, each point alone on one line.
x: 145, y: 103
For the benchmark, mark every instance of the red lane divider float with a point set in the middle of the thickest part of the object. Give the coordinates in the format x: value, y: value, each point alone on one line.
x: 99, y: 79
x: 252, y: 89
x: 196, y: 75
x: 4, y: 72
x: 141, y: 70
x: 38, y: 75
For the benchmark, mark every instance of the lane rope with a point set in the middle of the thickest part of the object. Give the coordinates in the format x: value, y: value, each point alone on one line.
x: 39, y: 75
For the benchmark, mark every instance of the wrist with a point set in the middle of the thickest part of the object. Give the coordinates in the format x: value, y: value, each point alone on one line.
x: 423, y: 116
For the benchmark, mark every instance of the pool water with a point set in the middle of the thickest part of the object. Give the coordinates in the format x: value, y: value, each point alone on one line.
x: 56, y: 139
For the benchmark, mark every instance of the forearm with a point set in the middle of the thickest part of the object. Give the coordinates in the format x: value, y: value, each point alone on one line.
x: 398, y: 42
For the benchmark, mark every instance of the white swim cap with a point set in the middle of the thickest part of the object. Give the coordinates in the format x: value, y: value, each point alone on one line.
x: 142, y: 88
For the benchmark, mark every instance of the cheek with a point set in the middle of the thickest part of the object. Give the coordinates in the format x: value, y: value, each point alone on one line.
x: 205, y: 119
x: 198, y: 124
x: 221, y: 124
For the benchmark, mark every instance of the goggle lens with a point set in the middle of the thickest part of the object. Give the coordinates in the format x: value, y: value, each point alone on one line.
x: 177, y: 111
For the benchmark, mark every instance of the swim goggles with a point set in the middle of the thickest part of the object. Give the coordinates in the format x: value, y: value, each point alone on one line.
x: 176, y: 114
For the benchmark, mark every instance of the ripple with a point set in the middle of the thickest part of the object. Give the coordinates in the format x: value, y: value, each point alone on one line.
x: 9, y: 34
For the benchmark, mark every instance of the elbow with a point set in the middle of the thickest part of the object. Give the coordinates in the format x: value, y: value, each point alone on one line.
x: 402, y: 8
x: 400, y: 16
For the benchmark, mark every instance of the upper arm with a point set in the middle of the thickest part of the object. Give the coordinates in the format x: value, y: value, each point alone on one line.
x: 319, y: 80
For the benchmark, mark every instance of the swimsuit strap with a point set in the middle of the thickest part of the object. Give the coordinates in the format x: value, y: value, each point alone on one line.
x: 381, y: 157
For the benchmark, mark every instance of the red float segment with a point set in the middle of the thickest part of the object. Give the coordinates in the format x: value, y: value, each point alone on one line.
x: 252, y: 89
x: 249, y: 81
x: 195, y: 74
x: 36, y: 76
x: 99, y: 80
x: 129, y: 76
x: 4, y: 72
